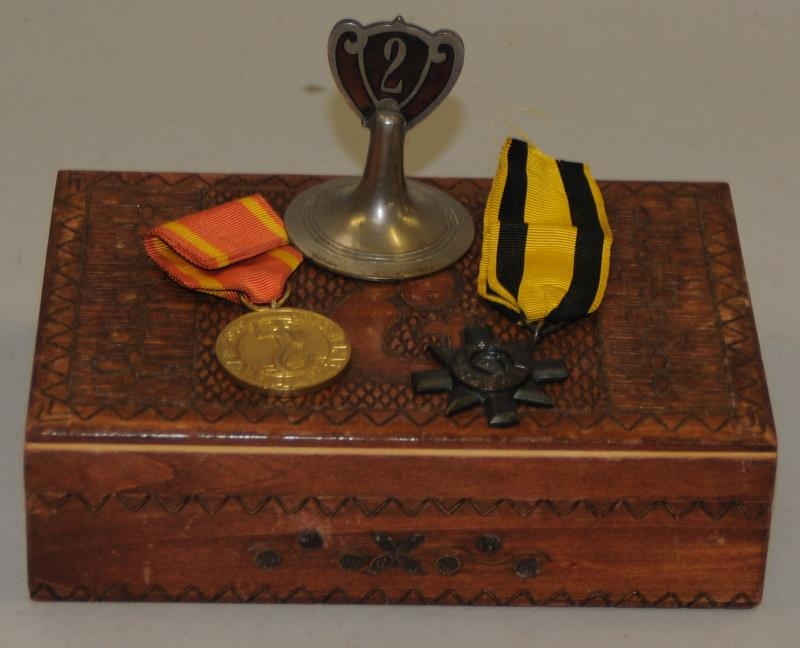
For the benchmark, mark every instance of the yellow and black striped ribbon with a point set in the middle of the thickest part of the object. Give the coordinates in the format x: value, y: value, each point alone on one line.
x: 546, y: 240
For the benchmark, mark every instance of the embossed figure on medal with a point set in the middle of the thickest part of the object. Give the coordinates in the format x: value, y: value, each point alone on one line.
x: 382, y: 226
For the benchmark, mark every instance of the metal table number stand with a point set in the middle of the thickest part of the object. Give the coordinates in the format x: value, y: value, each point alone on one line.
x: 382, y: 226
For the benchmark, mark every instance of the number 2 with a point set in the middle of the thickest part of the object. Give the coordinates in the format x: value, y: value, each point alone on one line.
x: 395, y: 60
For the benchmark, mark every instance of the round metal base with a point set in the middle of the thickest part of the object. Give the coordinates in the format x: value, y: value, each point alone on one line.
x: 379, y: 241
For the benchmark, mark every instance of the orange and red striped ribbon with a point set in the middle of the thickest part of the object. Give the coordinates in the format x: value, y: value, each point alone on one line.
x: 238, y: 249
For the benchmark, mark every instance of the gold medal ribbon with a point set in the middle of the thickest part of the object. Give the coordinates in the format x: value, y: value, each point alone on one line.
x: 238, y: 251
x: 546, y: 238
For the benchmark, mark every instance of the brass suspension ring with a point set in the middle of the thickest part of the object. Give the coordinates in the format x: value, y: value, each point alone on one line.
x: 275, y: 303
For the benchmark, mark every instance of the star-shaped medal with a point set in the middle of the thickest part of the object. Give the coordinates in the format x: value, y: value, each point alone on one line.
x: 485, y: 370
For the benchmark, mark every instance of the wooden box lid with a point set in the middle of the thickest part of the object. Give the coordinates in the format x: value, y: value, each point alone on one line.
x: 668, y: 370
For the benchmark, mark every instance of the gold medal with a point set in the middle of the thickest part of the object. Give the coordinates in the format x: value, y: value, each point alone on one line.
x: 283, y: 351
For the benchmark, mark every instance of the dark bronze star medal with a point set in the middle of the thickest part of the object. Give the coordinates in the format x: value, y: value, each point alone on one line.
x: 485, y: 370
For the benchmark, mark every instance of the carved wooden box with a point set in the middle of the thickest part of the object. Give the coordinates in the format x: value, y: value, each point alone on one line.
x: 150, y: 475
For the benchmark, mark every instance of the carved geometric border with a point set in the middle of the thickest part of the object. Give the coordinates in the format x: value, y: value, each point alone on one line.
x: 55, y: 345
x: 252, y: 505
x: 264, y: 594
x: 735, y: 320
x: 730, y: 296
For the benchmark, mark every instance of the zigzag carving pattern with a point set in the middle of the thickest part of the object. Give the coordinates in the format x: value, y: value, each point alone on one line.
x: 135, y: 502
x: 264, y: 594
x: 364, y: 402
x: 733, y: 306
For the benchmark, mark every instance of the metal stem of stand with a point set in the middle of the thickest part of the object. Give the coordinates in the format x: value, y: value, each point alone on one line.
x: 382, y: 193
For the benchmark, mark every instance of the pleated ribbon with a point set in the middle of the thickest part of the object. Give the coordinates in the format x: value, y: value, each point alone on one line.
x: 235, y: 250
x: 546, y: 238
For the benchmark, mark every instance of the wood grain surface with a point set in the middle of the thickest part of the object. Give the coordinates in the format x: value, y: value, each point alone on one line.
x: 151, y: 475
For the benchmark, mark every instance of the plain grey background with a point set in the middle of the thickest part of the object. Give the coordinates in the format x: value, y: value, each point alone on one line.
x: 703, y: 90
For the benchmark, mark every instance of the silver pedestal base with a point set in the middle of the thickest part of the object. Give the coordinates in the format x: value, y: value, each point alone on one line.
x: 423, y: 230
